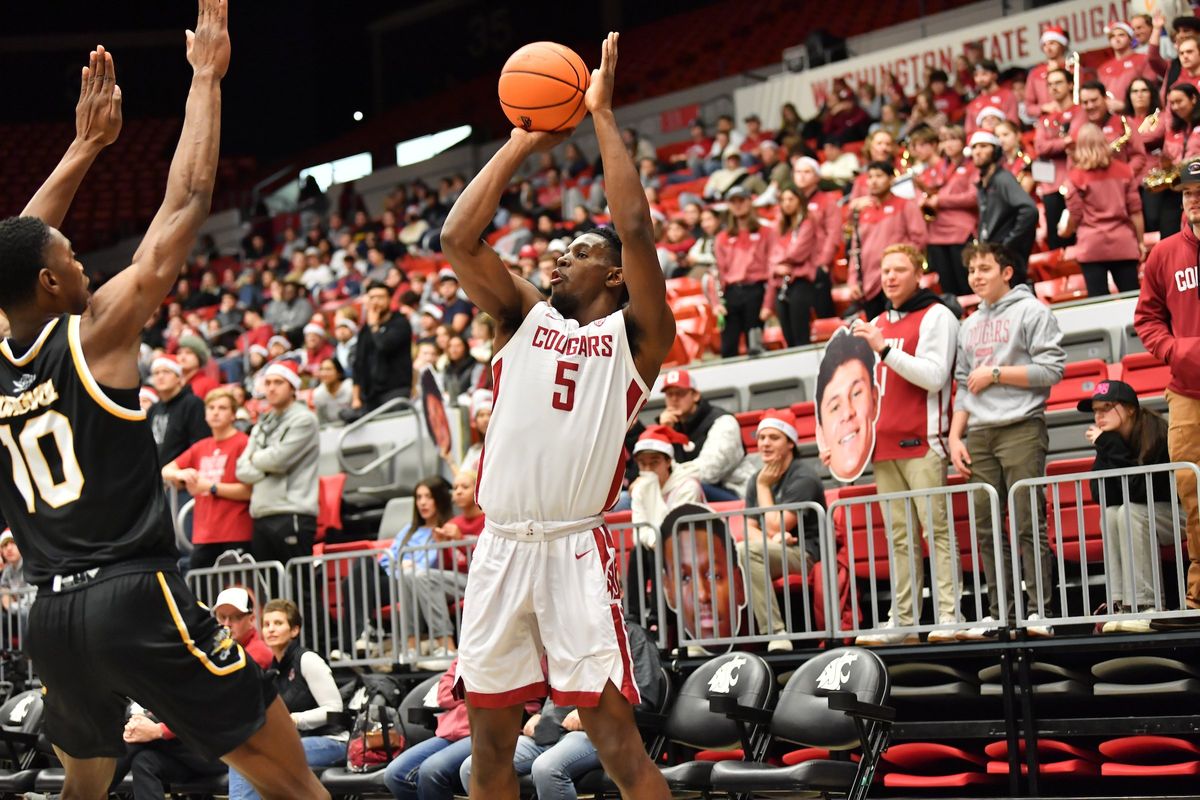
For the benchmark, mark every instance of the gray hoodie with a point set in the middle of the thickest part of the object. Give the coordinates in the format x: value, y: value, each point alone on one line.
x: 280, y: 463
x: 1017, y: 330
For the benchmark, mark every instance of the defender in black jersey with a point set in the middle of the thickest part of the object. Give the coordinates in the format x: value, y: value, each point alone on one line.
x: 79, y: 478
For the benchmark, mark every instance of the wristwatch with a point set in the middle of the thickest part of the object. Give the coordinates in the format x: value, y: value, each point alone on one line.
x: 995, y: 375
x: 213, y: 490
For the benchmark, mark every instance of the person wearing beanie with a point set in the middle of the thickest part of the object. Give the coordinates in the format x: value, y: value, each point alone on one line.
x: 316, y: 348
x: 1124, y: 67
x: 1009, y: 356
x: 280, y: 464
x: 177, y: 419
x: 193, y: 355
x: 1055, y: 42
x: 1008, y: 216
x: 990, y: 93
x: 1127, y: 435
x: 783, y: 480
x: 661, y: 484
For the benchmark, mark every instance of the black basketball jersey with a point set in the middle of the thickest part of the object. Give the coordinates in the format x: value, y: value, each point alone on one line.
x: 79, y: 478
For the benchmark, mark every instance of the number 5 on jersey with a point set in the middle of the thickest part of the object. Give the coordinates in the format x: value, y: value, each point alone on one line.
x: 564, y: 378
x: 28, y: 459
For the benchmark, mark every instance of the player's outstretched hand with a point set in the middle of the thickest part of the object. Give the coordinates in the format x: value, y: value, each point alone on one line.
x: 208, y: 45
x: 600, y: 93
x: 539, y: 141
x: 98, y: 112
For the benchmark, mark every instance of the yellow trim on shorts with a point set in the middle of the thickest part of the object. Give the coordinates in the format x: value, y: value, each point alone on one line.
x: 33, y: 350
x: 89, y: 383
x: 187, y: 637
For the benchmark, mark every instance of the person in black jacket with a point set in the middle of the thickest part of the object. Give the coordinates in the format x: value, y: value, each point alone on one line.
x: 1007, y: 214
x: 1127, y: 435
x: 177, y: 419
x: 383, y: 358
x: 716, y: 440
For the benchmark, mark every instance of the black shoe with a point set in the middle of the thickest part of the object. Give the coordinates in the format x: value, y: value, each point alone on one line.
x: 1190, y: 622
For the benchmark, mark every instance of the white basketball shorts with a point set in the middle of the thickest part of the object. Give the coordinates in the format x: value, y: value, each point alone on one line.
x: 560, y: 596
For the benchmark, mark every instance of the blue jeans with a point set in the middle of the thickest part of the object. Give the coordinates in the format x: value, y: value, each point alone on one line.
x: 427, y: 771
x: 319, y: 751
x: 554, y: 769
x: 717, y: 494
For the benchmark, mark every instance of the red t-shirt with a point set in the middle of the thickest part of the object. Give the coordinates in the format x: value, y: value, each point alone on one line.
x: 217, y: 520
x: 455, y: 558
x: 257, y: 649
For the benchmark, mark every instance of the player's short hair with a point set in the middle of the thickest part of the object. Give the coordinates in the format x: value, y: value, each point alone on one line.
x: 221, y: 393
x: 289, y: 610
x: 23, y: 243
x: 842, y: 349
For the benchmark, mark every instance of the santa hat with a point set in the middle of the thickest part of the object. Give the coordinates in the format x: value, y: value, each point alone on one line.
x: 783, y: 421
x: 433, y: 311
x: 346, y: 322
x: 167, y: 362
x: 1121, y: 26
x: 283, y: 340
x: 146, y: 393
x: 988, y: 111
x: 288, y: 370
x: 984, y: 137
x: 258, y: 348
x: 312, y: 327
x: 807, y: 161
x: 480, y: 399
x: 660, y: 438
x: 1055, y: 33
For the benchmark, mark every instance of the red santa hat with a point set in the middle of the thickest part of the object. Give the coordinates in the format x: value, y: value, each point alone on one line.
x: 258, y: 348
x: 146, y: 393
x: 661, y: 439
x: 480, y: 399
x: 166, y: 362
x: 280, y: 340
x: 313, y: 327
x: 783, y: 421
x: 984, y: 137
x: 1056, y: 33
x: 988, y: 111
x: 288, y: 370
x: 1121, y: 26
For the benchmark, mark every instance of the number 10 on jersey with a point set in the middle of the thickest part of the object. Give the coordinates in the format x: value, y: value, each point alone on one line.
x: 28, y: 459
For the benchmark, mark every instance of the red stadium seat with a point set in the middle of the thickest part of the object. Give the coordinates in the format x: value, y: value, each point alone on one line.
x: 1055, y: 758
x: 932, y: 765
x: 1146, y: 374
x: 1150, y: 757
x: 329, y: 503
x: 1079, y: 382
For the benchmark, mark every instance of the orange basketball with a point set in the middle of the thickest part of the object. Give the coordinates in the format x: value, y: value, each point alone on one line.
x: 542, y: 87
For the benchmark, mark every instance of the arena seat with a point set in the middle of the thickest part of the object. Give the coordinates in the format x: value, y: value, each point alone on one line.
x: 1146, y: 374
x: 21, y: 723
x: 1079, y: 382
x: 1145, y: 675
x: 1150, y: 757
x: 1055, y: 759
x: 933, y: 765
x: 923, y: 681
x: 1049, y: 680
x: 839, y: 711
x: 329, y: 503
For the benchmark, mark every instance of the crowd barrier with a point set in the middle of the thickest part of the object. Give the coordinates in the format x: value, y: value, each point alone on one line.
x: 14, y: 666
x: 1106, y: 564
x: 265, y: 581
x: 428, y: 588
x: 882, y: 543
x: 640, y: 565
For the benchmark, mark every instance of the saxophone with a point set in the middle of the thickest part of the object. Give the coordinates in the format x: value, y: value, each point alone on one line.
x: 1123, y: 139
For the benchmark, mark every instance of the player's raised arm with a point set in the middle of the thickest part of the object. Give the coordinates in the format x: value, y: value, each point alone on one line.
x: 97, y: 124
x: 483, y: 275
x: 120, y: 308
x: 653, y: 326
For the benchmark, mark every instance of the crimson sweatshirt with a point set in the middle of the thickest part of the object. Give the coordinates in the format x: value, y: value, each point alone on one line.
x: 1167, y: 318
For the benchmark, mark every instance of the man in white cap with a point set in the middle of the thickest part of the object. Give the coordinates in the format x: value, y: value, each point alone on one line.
x: 1007, y: 214
x: 783, y: 479
x: 456, y: 312
x: 280, y: 464
x: 177, y: 419
x: 234, y: 608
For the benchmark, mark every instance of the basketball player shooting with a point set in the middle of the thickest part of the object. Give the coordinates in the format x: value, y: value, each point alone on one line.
x: 79, y: 480
x: 569, y: 376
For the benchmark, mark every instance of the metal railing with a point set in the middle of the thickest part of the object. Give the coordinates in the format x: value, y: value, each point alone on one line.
x: 428, y: 584
x: 14, y: 620
x: 641, y: 568
x: 393, y: 405
x: 719, y: 578
x: 884, y: 594
x: 264, y: 580
x: 1131, y: 557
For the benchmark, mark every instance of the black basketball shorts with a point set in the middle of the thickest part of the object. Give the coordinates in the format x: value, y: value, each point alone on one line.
x: 136, y: 631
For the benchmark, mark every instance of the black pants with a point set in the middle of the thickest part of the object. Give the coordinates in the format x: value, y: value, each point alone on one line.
x: 1095, y: 274
x: 743, y: 303
x: 1163, y: 211
x: 282, y: 537
x: 1055, y: 204
x: 795, y: 312
x: 823, y: 295
x: 205, y: 555
x: 155, y: 764
x: 946, y: 261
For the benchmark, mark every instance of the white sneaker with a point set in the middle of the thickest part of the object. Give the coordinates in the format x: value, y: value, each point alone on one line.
x: 941, y: 636
x: 364, y: 642
x: 779, y: 646
x: 1127, y: 626
x: 439, y: 660
x: 696, y: 651
x: 882, y: 637
x: 985, y: 630
x: 1038, y: 631
x: 336, y: 655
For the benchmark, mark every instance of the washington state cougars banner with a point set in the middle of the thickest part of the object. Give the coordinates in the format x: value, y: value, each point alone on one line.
x: 1009, y: 41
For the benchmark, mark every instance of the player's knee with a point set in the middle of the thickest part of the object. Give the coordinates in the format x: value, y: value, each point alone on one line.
x: 489, y: 755
x: 623, y: 757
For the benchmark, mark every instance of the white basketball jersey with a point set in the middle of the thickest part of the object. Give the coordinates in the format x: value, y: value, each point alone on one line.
x: 565, y: 396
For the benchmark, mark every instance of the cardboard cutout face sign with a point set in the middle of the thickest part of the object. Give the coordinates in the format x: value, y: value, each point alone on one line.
x: 847, y: 405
